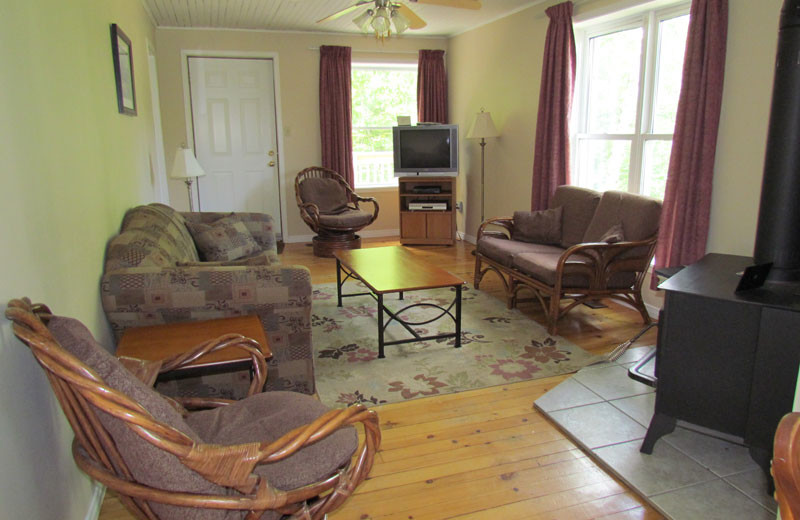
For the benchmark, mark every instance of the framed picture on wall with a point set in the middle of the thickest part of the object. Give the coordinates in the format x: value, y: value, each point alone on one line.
x: 122, y: 51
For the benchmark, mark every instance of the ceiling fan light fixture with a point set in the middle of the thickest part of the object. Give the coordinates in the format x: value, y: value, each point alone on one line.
x: 363, y: 20
x: 401, y: 23
x: 381, y: 23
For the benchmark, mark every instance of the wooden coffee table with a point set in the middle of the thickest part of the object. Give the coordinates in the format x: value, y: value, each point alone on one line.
x: 395, y: 269
x: 158, y: 342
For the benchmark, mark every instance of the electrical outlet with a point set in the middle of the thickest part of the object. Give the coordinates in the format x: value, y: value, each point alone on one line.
x: 460, y: 205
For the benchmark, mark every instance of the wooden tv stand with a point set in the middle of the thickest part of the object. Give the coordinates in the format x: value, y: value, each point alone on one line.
x: 427, y: 227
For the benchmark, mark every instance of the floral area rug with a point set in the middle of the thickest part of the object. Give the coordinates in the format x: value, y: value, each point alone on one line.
x: 498, y: 346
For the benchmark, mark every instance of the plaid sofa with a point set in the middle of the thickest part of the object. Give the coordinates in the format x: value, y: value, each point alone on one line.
x: 153, y: 274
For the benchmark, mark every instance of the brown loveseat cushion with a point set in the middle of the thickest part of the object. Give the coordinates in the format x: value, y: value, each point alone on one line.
x: 638, y: 215
x: 578, y: 206
x: 542, y: 266
x: 148, y: 464
x: 503, y: 251
x: 268, y: 416
x: 329, y: 196
x: 538, y: 227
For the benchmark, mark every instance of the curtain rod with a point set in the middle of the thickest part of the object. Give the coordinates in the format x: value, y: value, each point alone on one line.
x: 373, y: 52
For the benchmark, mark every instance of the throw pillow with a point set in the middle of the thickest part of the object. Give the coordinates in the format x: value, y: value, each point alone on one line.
x: 538, y: 227
x: 613, y: 235
x: 223, y: 240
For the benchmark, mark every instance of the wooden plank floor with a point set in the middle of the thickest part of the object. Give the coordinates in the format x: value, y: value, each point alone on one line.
x: 483, y: 454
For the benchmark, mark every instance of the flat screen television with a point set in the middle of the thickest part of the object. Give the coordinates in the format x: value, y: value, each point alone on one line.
x: 425, y: 150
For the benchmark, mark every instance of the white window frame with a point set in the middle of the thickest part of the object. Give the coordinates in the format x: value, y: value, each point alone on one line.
x: 385, y: 66
x: 643, y: 126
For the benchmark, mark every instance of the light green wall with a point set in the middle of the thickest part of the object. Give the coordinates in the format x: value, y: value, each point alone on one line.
x: 70, y: 166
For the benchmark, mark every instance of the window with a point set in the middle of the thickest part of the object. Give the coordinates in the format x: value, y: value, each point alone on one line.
x: 629, y: 80
x: 380, y: 93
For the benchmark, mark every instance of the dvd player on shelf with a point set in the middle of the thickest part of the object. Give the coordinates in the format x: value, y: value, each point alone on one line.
x: 427, y: 206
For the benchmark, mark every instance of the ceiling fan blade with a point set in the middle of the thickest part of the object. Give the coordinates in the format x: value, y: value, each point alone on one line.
x: 344, y: 11
x: 460, y: 4
x: 414, y: 21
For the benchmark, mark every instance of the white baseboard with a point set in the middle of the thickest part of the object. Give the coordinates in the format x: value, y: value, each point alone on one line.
x: 98, y: 493
x: 652, y: 310
x: 469, y: 238
x: 364, y: 233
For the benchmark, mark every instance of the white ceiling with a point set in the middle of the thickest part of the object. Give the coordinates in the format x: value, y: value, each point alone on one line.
x: 302, y: 15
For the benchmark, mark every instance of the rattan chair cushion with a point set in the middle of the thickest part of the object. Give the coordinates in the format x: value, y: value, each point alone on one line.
x: 148, y: 464
x: 266, y: 417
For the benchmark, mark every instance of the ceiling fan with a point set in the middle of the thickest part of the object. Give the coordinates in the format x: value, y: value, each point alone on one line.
x: 385, y: 13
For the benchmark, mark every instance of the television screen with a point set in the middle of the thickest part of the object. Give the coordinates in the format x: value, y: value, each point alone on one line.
x: 426, y: 150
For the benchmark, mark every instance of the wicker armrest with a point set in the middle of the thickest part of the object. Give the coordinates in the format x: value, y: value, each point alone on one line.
x: 506, y: 223
x: 251, y: 346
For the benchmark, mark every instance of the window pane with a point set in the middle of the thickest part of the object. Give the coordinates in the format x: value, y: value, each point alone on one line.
x: 654, y: 169
x: 373, y: 162
x: 603, y: 164
x: 614, y: 82
x: 671, y: 47
x: 380, y: 95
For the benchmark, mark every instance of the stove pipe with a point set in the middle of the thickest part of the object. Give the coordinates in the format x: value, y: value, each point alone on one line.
x: 778, y: 234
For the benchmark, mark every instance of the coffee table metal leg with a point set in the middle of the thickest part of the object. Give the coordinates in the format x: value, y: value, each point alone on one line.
x: 401, y: 295
x: 339, y: 282
x: 380, y: 326
x: 458, y: 316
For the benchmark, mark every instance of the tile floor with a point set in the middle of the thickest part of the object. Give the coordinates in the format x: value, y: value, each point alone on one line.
x: 689, y: 476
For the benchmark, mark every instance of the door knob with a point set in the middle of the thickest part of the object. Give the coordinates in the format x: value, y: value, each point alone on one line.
x: 271, y: 153
x: 271, y: 163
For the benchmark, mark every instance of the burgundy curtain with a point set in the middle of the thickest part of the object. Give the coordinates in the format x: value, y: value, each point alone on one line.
x: 335, y: 110
x: 431, y: 87
x: 551, y: 149
x: 687, y: 200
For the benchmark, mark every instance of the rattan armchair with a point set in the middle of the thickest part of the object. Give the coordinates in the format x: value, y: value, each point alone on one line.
x: 331, y: 209
x: 786, y: 466
x: 111, y: 413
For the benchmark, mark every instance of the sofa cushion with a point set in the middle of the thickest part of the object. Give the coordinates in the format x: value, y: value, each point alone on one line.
x: 138, y: 248
x: 346, y: 219
x: 638, y: 215
x: 224, y: 240
x: 265, y: 418
x: 148, y: 464
x: 503, y: 250
x: 538, y: 227
x: 542, y: 266
x: 328, y: 194
x: 168, y: 225
x: 578, y: 207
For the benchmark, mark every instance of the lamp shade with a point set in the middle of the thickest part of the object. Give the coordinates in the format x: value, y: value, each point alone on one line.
x: 185, y: 165
x: 401, y: 23
x: 483, y: 126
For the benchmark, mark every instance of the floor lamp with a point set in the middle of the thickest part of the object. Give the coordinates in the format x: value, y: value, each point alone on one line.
x: 482, y: 128
x: 186, y: 168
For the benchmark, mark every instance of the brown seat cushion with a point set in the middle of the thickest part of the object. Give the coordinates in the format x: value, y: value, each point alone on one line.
x: 578, y: 207
x: 503, y: 251
x: 268, y: 416
x: 328, y: 194
x: 542, y: 266
x: 538, y: 227
x: 348, y: 218
x: 148, y: 464
x: 638, y: 215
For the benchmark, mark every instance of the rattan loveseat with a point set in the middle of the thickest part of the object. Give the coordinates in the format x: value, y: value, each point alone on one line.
x: 586, y: 246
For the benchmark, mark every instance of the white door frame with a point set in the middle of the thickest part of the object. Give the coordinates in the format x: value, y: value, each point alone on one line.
x: 187, y: 108
x: 162, y: 191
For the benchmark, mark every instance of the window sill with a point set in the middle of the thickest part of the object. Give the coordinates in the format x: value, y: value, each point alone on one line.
x: 365, y: 189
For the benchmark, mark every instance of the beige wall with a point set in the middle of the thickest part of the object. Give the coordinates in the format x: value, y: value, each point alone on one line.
x: 71, y: 165
x: 498, y: 67
x: 298, y: 69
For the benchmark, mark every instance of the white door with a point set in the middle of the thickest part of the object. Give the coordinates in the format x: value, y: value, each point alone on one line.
x: 234, y: 124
